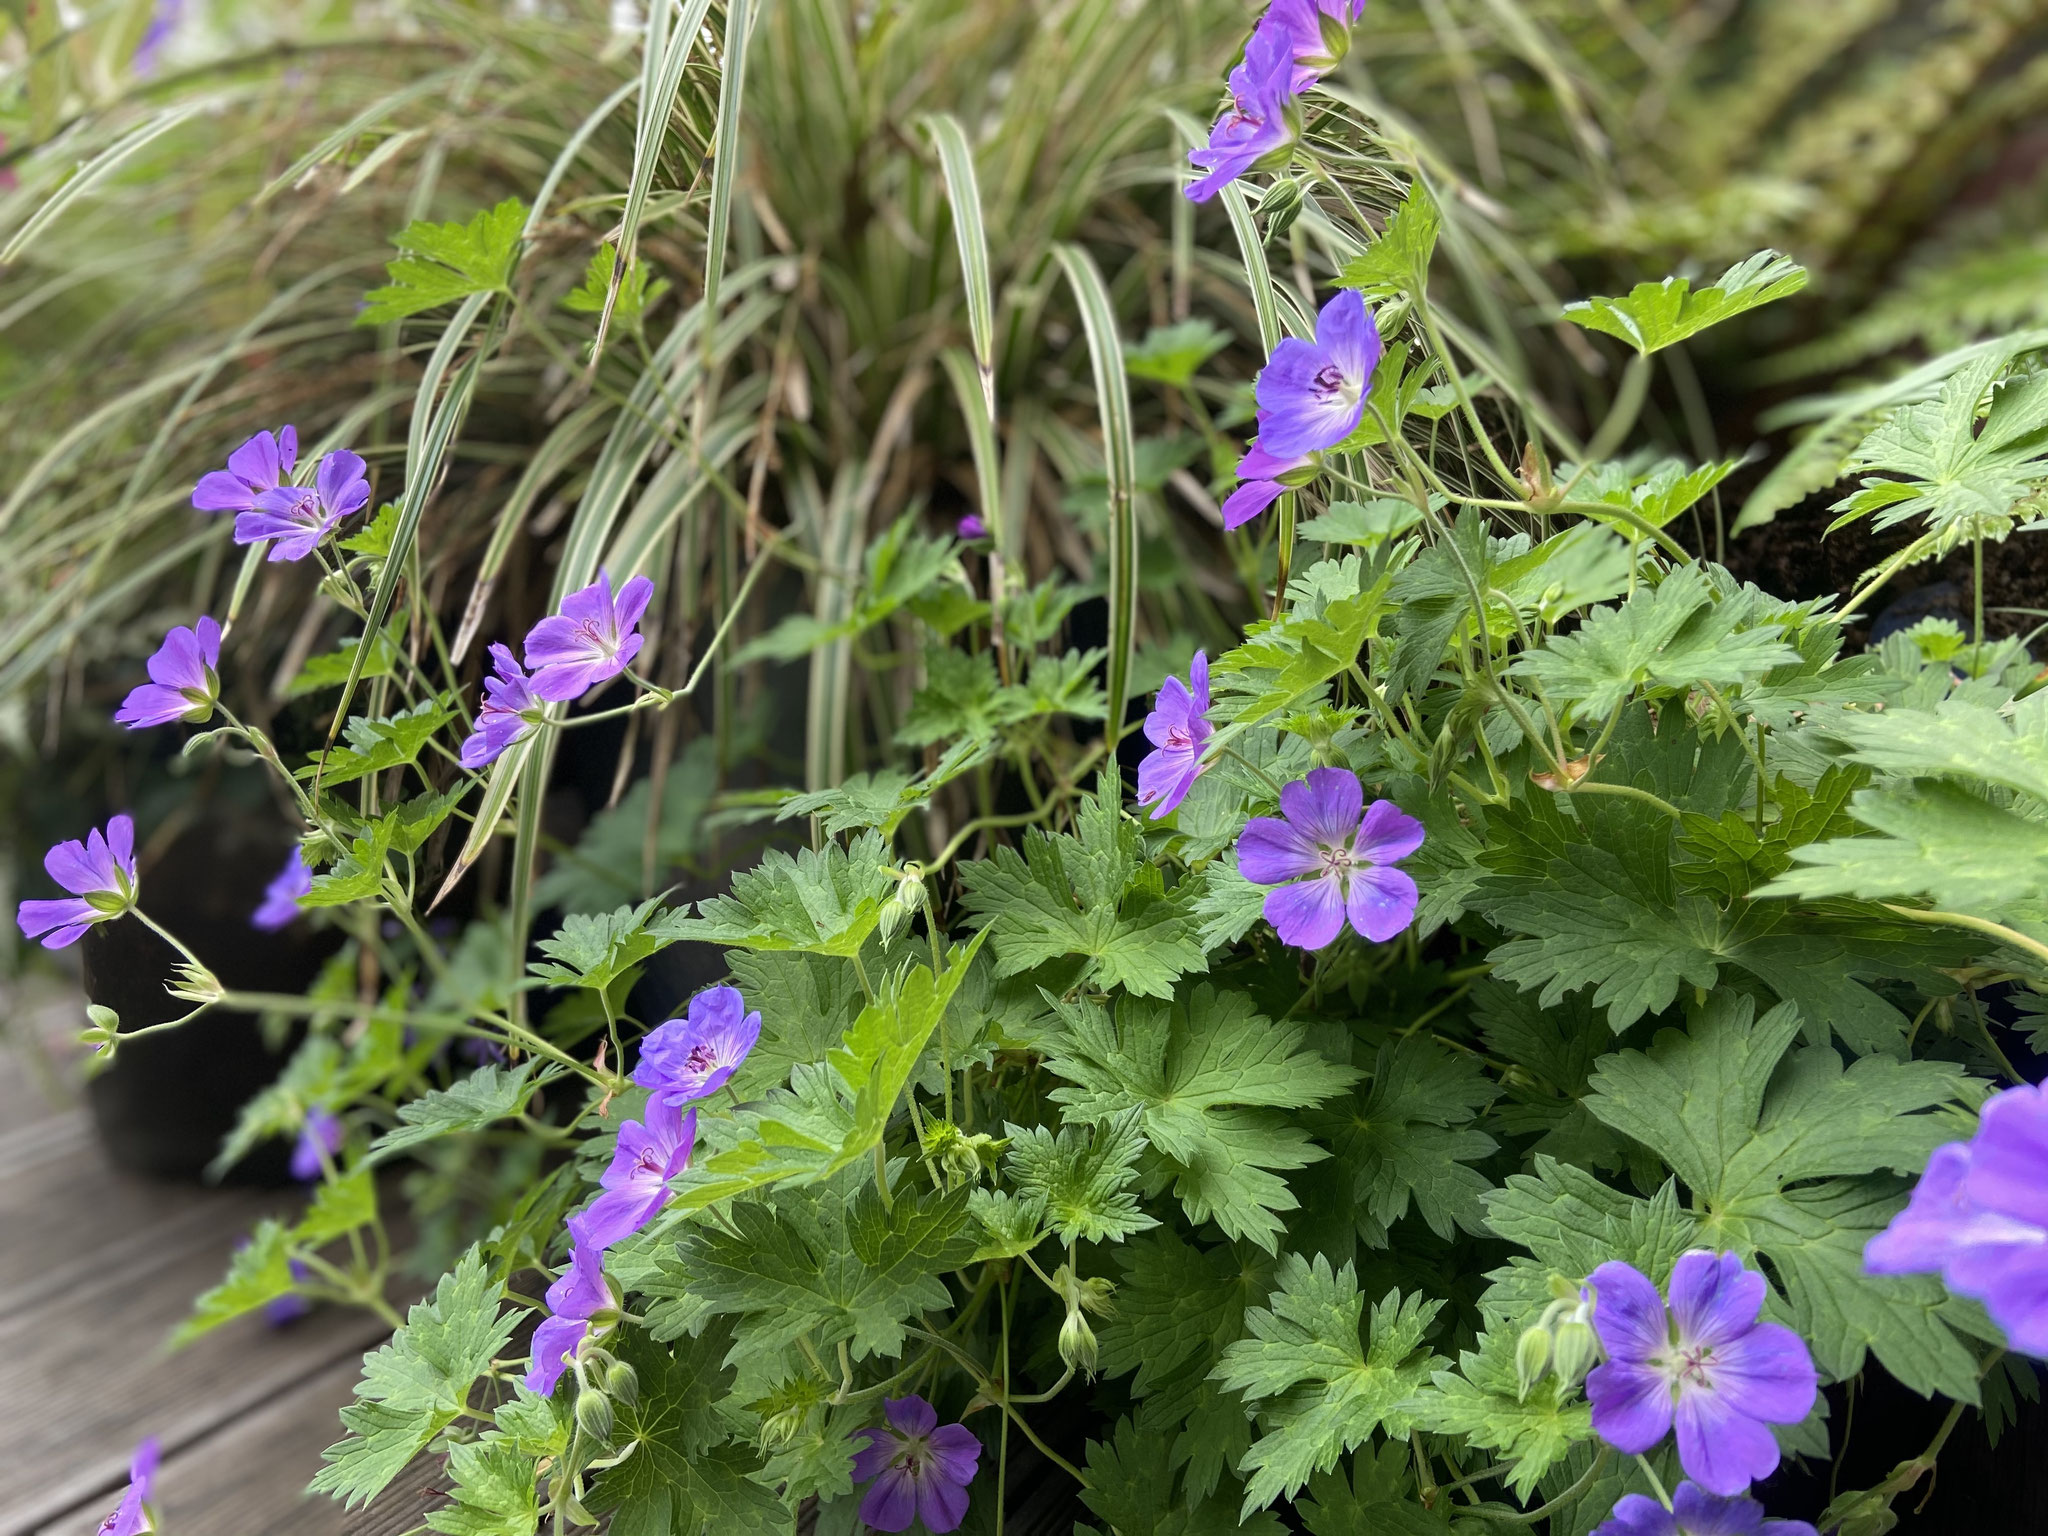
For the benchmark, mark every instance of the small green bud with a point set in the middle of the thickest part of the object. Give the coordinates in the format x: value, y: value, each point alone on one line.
x: 1077, y: 1343
x: 1574, y: 1350
x: 594, y: 1414
x: 622, y: 1382
x: 905, y: 902
x: 1282, y: 205
x: 195, y: 984
x: 102, y: 1035
x: 1532, y: 1358
x: 1562, y: 1289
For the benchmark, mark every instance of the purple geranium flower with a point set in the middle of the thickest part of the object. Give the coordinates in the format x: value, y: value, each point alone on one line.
x: 1979, y: 1215
x: 1316, y: 34
x: 290, y: 1307
x: 319, y: 1139
x: 971, y: 527
x: 1707, y: 1363
x: 580, y: 1296
x: 1695, y: 1512
x: 921, y: 1470
x: 1338, y: 862
x: 683, y: 1060
x: 649, y: 1154
x: 162, y: 23
x: 510, y: 711
x: 298, y: 517
x: 1312, y: 393
x: 1264, y: 479
x: 281, y: 896
x: 1179, y: 731
x: 590, y: 641
x: 183, y: 681
x: 261, y: 464
x: 1260, y: 126
x: 132, y: 1519
x: 99, y: 873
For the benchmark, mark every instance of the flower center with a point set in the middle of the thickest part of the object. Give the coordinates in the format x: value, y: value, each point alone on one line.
x: 1177, y: 737
x: 702, y: 1058
x: 305, y: 507
x: 1330, y: 384
x: 1338, y: 861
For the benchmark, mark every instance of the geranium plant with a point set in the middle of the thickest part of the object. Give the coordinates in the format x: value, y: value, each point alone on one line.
x: 1450, y: 1081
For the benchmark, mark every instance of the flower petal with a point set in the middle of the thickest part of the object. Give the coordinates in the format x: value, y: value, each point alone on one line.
x: 1714, y: 1299
x: 1721, y: 1448
x: 1637, y: 1514
x: 891, y: 1503
x: 941, y: 1504
x: 1166, y: 776
x: 219, y: 491
x: 1250, y: 499
x: 1304, y: 413
x: 1700, y: 1513
x: 956, y: 1452
x: 152, y: 704
x: 553, y: 1342
x: 910, y: 1415
x: 632, y: 601
x: 1766, y: 1373
x: 2009, y: 1156
x: 1308, y: 914
x: 1346, y: 331
x: 121, y: 843
x: 1388, y: 834
x: 874, y: 1456
x: 1631, y: 1405
x: 1382, y: 903
x: 1923, y: 1235
x: 1628, y: 1314
x: 257, y: 462
x: 1270, y: 850
x: 1324, y: 806
x: 340, y: 482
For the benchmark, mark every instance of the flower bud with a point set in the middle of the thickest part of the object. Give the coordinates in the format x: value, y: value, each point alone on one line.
x: 905, y: 902
x: 622, y: 1382
x: 594, y: 1414
x: 1336, y: 41
x: 1532, y: 1358
x: 1077, y: 1343
x: 1282, y: 205
x: 195, y: 984
x: 1574, y: 1349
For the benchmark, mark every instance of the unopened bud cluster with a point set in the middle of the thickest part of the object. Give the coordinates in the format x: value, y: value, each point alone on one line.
x: 1563, y: 1343
x: 1077, y: 1339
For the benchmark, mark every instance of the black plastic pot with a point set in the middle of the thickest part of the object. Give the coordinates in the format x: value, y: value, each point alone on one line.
x: 166, y: 1102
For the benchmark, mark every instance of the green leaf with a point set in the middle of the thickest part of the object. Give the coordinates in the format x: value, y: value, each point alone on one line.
x: 636, y: 293
x: 1657, y: 315
x: 493, y: 1489
x: 1483, y: 1401
x: 680, y: 1479
x: 1334, y: 607
x: 330, y: 669
x: 593, y: 951
x: 339, y: 1205
x: 1410, y: 1140
x: 1130, y: 1486
x: 1399, y: 260
x: 899, y: 566
x: 417, y: 1384
x: 1081, y: 1179
x: 373, y: 540
x: 1319, y: 1390
x: 827, y: 901
x: 1086, y: 895
x: 880, y: 799
x: 259, y: 1272
x: 1379, y: 1500
x: 442, y: 263
x: 1656, y: 494
x: 1964, y: 477
x: 1749, y: 1129
x: 1209, y: 1073
x: 831, y: 1264
x: 393, y: 741
x: 1174, y: 354
x: 881, y: 1051
x: 1664, y: 639
x: 1366, y: 524
x: 487, y: 1095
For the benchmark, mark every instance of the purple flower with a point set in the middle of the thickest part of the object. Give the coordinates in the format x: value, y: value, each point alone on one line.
x: 99, y: 873
x: 131, y: 1519
x: 684, y: 1060
x: 921, y: 1471
x: 1695, y: 1512
x: 636, y: 1185
x: 971, y: 527
x: 1264, y: 479
x: 1707, y: 1363
x: 590, y: 641
x: 319, y: 1139
x: 298, y: 517
x: 574, y: 1301
x: 291, y: 1306
x: 281, y: 896
x: 261, y: 464
x: 183, y: 682
x: 1260, y: 126
x: 1338, y: 862
x: 1177, y: 729
x: 1312, y: 393
x: 509, y: 715
x: 162, y: 24
x: 1316, y: 34
x: 1979, y: 1215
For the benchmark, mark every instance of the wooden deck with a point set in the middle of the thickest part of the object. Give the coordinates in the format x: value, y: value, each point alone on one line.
x: 96, y: 1267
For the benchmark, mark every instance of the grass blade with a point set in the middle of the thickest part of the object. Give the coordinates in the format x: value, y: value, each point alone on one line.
x: 98, y: 169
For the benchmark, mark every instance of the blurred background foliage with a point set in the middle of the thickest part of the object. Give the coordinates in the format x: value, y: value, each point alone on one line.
x: 194, y: 198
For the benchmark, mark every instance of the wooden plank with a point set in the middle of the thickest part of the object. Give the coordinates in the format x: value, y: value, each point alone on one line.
x: 248, y: 1478
x: 91, y: 1376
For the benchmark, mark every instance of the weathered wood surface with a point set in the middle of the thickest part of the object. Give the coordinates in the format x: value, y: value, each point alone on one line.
x: 97, y: 1266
